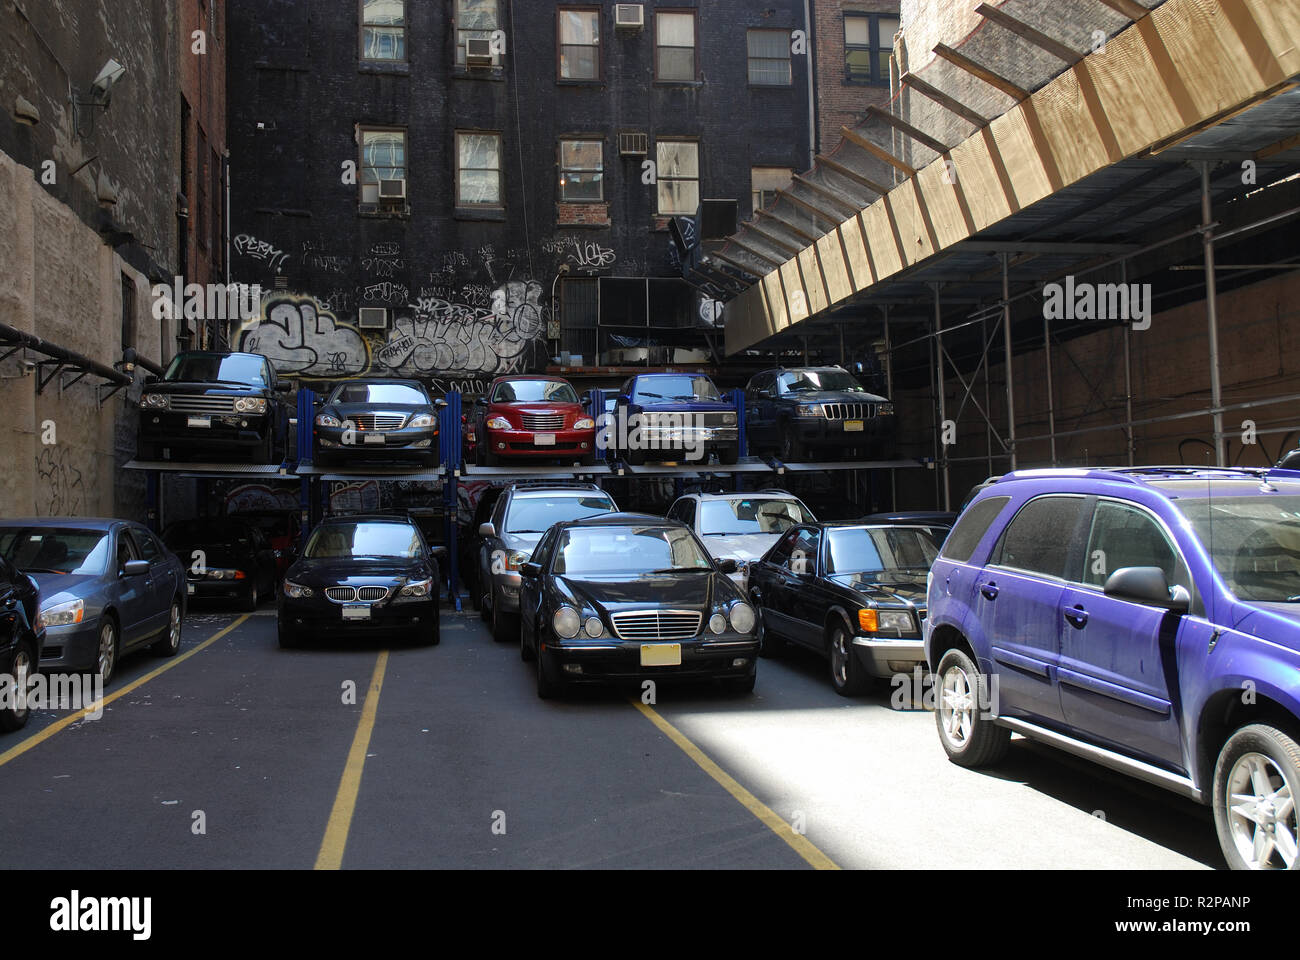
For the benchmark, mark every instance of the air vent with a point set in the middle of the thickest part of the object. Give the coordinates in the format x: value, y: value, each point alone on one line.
x: 629, y: 16
x: 392, y: 189
x: 478, y: 52
x: 372, y: 318
x: 633, y: 144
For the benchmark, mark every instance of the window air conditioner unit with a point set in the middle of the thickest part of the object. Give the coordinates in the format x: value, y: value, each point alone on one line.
x: 478, y: 52
x: 372, y: 318
x: 629, y: 16
x: 633, y: 144
x: 392, y: 189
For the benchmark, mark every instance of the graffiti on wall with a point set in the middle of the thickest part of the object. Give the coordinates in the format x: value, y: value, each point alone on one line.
x: 260, y: 250
x: 59, y: 483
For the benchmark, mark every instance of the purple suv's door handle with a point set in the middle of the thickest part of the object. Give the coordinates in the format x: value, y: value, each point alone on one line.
x: 990, y: 590
x: 1077, y: 616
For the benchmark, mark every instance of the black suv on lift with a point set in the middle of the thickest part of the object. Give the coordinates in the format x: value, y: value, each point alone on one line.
x: 212, y: 405
x: 797, y: 412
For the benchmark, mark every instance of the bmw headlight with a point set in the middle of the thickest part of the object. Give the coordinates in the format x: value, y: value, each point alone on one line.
x: 516, y: 559
x: 155, y: 401
x: 499, y: 423
x: 421, y: 420
x: 566, y: 623
x: 418, y: 588
x: 296, y: 591
x: 742, y: 618
x: 808, y: 410
x: 62, y: 614
x: 584, y: 423
x: 717, y: 623
x: 250, y: 405
x: 327, y: 420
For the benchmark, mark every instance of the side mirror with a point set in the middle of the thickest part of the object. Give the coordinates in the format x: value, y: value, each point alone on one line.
x: 135, y: 568
x: 728, y: 565
x: 440, y: 403
x: 1147, y: 585
x: 487, y: 530
x: 440, y: 554
x: 530, y: 571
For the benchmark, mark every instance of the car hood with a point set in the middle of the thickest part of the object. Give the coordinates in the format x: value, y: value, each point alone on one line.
x: 690, y: 591
x: 215, y: 389
x: 309, y: 573
x: 739, y: 546
x: 58, y: 587
x: 686, y: 406
x: 896, y: 589
x: 523, y: 542
x: 832, y: 396
x: 345, y: 410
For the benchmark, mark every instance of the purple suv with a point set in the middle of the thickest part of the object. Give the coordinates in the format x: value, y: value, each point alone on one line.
x: 1147, y: 619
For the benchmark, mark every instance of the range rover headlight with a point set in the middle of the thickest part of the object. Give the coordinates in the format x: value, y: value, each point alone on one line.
x: 729, y: 419
x: 742, y: 618
x: 61, y: 614
x: 566, y: 623
x: 250, y: 405
x: 155, y: 401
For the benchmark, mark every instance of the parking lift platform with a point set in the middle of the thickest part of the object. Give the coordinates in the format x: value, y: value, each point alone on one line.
x: 213, y: 470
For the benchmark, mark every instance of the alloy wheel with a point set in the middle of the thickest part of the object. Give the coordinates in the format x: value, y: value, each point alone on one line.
x: 20, y: 671
x: 1262, y: 813
x: 840, y: 658
x: 107, y: 651
x: 956, y: 706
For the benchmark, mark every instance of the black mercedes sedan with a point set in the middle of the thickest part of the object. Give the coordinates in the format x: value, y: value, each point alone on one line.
x: 378, y: 420
x: 621, y: 596
x: 360, y: 576
x: 853, y: 592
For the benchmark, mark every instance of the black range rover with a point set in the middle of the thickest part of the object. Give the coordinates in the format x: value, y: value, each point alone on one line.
x: 799, y: 413
x: 212, y: 405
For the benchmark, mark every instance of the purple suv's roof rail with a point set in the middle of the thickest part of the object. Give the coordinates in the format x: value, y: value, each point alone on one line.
x: 1139, y: 475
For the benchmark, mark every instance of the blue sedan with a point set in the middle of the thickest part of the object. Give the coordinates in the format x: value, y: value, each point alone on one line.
x: 107, y: 587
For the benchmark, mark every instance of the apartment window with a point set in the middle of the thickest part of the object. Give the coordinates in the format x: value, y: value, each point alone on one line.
x: 383, y: 30
x: 475, y: 20
x: 678, y: 175
x: 582, y: 166
x: 769, y: 58
x: 675, y: 46
x: 579, y: 44
x: 201, y: 176
x: 478, y: 169
x: 383, y: 168
x: 765, y: 182
x: 868, y: 43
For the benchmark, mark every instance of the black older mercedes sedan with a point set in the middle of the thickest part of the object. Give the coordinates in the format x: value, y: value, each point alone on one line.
x: 360, y: 576
x: 853, y: 592
x: 621, y: 596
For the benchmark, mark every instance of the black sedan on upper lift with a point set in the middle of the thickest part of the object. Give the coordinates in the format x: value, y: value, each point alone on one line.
x: 853, y: 592
x: 378, y: 420
x: 621, y: 596
x: 359, y: 576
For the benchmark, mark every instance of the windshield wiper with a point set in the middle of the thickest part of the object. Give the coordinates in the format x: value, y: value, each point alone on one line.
x: 680, y: 570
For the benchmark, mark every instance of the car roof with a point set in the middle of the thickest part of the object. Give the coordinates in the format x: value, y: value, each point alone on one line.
x: 369, y: 518
x: 529, y: 492
x: 743, y: 495
x: 352, y: 381
x: 622, y: 519
x: 529, y: 376
x: 1171, y: 481
x: 66, y: 523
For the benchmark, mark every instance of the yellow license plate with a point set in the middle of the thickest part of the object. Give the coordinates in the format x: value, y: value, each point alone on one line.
x: 852, y: 426
x: 661, y: 654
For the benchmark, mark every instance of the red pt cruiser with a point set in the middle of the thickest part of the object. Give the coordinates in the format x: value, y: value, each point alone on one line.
x: 532, y: 418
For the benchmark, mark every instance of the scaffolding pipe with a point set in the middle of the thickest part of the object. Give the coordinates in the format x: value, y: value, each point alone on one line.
x: 1212, y: 315
x: 1006, y: 336
x: 943, y: 405
x: 1128, y: 376
x: 1051, y: 393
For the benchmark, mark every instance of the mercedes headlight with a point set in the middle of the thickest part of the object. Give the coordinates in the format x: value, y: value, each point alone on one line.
x: 295, y: 591
x: 885, y: 621
x: 717, y: 623
x: 61, y: 614
x: 421, y: 420
x: 742, y: 618
x: 566, y: 623
x: 327, y: 420
x: 250, y: 405
x: 593, y: 627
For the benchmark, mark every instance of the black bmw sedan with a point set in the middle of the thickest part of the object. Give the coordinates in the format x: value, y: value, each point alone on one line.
x: 853, y: 592
x: 621, y: 596
x: 359, y: 576
x: 378, y: 420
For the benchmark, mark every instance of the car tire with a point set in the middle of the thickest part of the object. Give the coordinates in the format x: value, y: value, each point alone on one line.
x: 249, y: 603
x: 970, y: 738
x: 169, y: 644
x: 740, y: 686
x: 108, y: 651
x: 526, y: 653
x: 769, y: 644
x: 287, y: 637
x: 505, y: 626
x: 847, y: 676
x: 1259, y: 762
x: 431, y: 634
x: 547, y: 686
x: 21, y: 667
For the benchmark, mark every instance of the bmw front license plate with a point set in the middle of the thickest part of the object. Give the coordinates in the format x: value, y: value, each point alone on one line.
x: 198, y: 422
x: 544, y: 439
x: 356, y: 611
x: 661, y: 654
x: 852, y: 426
x: 374, y: 438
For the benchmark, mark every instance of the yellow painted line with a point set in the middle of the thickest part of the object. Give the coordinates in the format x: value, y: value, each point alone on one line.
x: 801, y: 844
x: 345, y: 802
x: 69, y: 720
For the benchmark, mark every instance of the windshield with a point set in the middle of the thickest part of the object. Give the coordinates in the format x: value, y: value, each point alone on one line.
x: 757, y: 515
x: 1254, y: 543
x: 802, y: 381
x: 209, y: 368
x: 677, y: 388
x: 538, y: 514
x: 534, y: 391
x: 42, y: 550
x: 882, y: 552
x: 624, y: 551
x: 378, y: 393
x: 206, y: 532
x: 333, y: 541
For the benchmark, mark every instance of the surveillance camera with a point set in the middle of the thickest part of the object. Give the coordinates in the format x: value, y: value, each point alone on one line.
x: 109, y: 75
